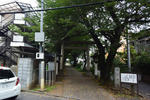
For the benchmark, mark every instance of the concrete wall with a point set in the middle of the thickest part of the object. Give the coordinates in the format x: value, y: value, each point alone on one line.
x: 27, y: 73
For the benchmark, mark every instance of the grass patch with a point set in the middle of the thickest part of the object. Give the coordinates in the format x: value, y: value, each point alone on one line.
x: 50, y: 88
x: 47, y: 88
x: 36, y: 88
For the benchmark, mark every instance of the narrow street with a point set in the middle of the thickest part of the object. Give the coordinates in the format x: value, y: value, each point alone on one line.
x: 32, y: 96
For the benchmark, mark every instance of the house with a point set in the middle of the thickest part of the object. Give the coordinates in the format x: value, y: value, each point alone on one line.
x: 142, y: 44
x: 13, y: 45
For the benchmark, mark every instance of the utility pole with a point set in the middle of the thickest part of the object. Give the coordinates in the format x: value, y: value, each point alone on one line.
x: 42, y: 64
x: 128, y: 52
x: 129, y: 61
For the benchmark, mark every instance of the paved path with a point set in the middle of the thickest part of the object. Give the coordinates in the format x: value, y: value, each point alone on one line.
x: 144, y: 88
x: 83, y: 88
x: 76, y: 86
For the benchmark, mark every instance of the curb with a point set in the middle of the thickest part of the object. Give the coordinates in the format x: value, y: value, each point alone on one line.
x: 44, y: 93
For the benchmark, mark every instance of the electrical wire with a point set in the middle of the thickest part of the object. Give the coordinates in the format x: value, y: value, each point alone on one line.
x: 66, y: 7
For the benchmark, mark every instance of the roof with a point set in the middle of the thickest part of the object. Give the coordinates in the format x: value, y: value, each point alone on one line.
x: 16, y: 6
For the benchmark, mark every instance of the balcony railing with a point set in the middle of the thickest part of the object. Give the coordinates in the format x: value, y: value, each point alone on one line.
x: 6, y: 20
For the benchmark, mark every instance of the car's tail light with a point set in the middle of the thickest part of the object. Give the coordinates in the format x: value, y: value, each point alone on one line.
x: 17, y: 81
x: 1, y: 69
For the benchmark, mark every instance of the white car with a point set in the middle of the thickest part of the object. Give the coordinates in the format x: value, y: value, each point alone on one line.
x: 9, y: 84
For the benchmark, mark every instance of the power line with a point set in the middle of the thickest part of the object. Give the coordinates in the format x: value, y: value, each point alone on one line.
x: 73, y: 6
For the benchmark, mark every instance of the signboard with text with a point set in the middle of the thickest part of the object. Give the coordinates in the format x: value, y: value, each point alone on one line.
x: 51, y: 66
x: 129, y: 78
x: 132, y: 79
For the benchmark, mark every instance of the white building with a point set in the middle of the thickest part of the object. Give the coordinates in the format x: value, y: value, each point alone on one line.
x: 12, y: 45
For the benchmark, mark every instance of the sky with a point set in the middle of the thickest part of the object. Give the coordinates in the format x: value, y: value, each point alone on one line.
x: 32, y: 2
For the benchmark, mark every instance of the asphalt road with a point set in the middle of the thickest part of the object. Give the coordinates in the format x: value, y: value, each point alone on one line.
x: 32, y: 96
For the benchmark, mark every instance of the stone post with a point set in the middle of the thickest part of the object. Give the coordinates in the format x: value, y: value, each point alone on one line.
x: 117, y: 78
x: 62, y: 58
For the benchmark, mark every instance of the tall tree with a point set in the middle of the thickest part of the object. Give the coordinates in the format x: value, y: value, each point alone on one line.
x: 106, y: 23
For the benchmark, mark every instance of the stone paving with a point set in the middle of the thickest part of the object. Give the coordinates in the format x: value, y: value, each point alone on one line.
x: 144, y: 88
x: 76, y: 86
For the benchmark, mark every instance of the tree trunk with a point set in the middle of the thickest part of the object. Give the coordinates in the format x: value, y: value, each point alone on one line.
x: 101, y: 63
x: 84, y: 67
x: 106, y: 69
x: 75, y: 61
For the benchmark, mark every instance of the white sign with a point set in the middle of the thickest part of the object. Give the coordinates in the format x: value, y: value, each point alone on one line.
x: 18, y: 38
x: 51, y: 66
x: 129, y: 78
x: 39, y: 55
x: 39, y: 36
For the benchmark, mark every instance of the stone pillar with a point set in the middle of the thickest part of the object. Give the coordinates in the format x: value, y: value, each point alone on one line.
x: 88, y: 58
x: 62, y: 58
x: 117, y: 78
x: 95, y: 65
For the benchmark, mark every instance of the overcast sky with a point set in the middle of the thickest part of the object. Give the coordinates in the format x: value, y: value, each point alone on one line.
x: 32, y: 2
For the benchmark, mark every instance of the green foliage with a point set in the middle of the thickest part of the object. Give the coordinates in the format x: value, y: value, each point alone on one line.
x: 73, y: 54
x: 119, y: 59
x: 92, y: 69
x: 29, y: 35
x: 144, y: 63
x: 78, y: 67
x: 27, y: 31
x: 105, y: 23
x: 133, y: 55
x: 63, y: 25
x: 47, y: 88
x: 139, y: 61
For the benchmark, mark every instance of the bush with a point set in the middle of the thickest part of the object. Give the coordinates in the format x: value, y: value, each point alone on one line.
x: 92, y: 69
x: 144, y: 63
x: 119, y: 62
x: 139, y: 62
x: 79, y: 65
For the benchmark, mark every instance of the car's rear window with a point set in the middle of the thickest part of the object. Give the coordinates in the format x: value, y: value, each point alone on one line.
x: 6, y: 74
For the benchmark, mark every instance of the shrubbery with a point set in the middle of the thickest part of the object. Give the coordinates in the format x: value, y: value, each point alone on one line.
x: 144, y: 63
x: 92, y: 69
x: 140, y: 62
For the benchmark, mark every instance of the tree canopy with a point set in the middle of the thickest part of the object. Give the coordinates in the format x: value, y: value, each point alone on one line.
x: 104, y: 23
